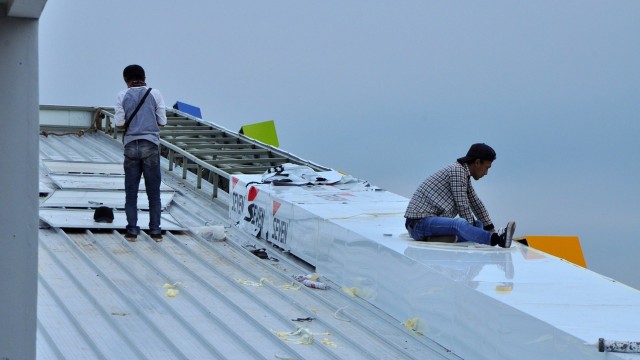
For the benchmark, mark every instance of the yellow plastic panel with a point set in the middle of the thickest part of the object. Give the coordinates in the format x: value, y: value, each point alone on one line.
x: 565, y: 247
x: 263, y: 131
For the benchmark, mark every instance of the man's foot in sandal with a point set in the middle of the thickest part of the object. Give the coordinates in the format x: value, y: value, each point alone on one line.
x: 132, y: 233
x: 156, y: 235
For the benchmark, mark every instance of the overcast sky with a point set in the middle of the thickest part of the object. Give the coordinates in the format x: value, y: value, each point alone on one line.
x: 391, y: 91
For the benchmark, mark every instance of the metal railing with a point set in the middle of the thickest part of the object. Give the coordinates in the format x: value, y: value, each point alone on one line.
x: 211, y: 152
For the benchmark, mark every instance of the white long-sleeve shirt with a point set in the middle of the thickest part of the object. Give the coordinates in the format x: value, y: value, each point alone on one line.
x: 152, y: 114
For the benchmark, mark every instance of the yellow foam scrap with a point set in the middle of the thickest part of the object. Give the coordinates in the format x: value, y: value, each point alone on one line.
x: 352, y: 291
x: 412, y: 325
x: 265, y: 281
x: 291, y: 286
x: 173, y: 286
x: 172, y: 292
x: 504, y: 288
x: 299, y: 336
x: 253, y: 283
x: 248, y: 283
x: 328, y: 342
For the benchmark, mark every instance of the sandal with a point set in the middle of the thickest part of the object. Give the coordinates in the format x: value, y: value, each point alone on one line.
x: 156, y: 236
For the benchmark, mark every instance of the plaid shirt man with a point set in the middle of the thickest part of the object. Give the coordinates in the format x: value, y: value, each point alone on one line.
x: 448, y: 193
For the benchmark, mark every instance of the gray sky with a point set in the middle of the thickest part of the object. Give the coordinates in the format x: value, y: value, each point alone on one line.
x: 391, y: 91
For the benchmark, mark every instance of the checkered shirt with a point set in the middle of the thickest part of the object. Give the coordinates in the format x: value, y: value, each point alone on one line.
x: 448, y: 193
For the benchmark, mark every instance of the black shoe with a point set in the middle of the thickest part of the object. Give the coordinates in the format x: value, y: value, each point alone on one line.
x: 131, y: 237
x: 506, y: 234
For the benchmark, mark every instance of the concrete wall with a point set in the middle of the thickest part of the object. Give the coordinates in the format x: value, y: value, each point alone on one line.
x: 18, y: 186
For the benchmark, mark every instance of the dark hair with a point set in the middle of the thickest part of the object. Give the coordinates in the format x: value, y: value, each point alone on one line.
x: 471, y: 160
x: 133, y: 72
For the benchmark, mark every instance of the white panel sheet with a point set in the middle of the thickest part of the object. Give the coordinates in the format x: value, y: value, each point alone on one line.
x: 96, y: 182
x: 44, y: 188
x: 83, y: 219
x: 79, y: 167
x: 93, y: 199
x: 485, y: 302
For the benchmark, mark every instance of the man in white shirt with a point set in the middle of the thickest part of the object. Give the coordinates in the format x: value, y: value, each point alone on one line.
x: 141, y: 111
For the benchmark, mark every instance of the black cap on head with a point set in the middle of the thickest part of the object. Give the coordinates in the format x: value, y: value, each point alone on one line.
x: 133, y: 72
x: 478, y: 151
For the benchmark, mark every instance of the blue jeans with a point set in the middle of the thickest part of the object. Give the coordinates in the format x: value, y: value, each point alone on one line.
x: 142, y: 157
x: 435, y: 226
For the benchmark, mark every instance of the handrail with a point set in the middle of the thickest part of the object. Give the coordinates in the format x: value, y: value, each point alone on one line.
x: 190, y: 160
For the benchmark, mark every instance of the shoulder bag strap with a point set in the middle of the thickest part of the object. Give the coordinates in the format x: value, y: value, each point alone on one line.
x: 126, y: 123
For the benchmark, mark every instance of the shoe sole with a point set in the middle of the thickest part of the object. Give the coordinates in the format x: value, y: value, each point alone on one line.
x: 511, y: 228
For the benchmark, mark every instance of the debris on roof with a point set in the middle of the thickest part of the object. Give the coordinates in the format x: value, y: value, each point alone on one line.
x: 100, y: 296
x: 245, y: 244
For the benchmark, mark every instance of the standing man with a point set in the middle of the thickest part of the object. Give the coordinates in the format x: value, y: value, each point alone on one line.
x: 140, y: 111
x: 434, y: 207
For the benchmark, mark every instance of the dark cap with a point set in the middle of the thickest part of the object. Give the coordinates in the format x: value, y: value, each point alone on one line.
x: 478, y: 151
x: 103, y: 214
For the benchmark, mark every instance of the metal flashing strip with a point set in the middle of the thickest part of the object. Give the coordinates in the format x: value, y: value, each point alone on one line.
x: 96, y: 182
x: 83, y: 219
x: 81, y: 167
x: 44, y: 188
x: 65, y: 198
x: 459, y: 295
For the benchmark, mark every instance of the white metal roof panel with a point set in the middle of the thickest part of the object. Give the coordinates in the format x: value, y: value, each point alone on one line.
x: 83, y: 167
x: 101, y: 297
x: 95, y: 182
x: 482, y: 301
x: 113, y: 199
x: 44, y: 188
x: 83, y: 219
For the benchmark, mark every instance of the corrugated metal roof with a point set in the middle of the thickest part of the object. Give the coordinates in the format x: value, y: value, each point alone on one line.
x: 102, y: 297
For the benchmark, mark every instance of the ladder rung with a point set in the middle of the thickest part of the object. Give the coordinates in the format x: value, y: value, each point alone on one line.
x: 186, y: 127
x: 230, y: 152
x: 275, y: 161
x: 203, y: 146
x: 246, y: 169
x: 208, y: 132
